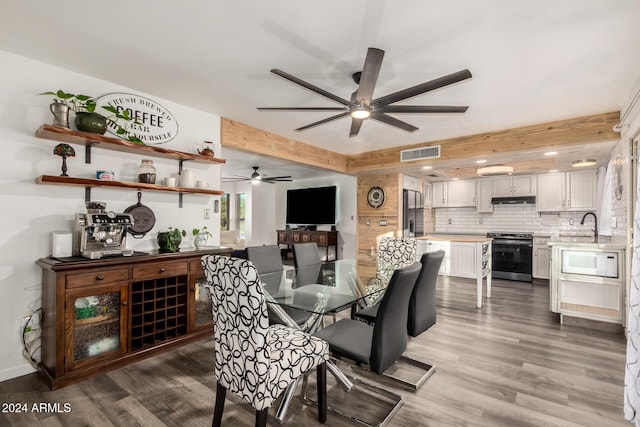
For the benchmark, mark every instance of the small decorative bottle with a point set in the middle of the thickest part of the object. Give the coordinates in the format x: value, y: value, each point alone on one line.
x: 147, y: 172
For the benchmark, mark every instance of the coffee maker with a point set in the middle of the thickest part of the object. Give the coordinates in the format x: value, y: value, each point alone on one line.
x: 100, y: 232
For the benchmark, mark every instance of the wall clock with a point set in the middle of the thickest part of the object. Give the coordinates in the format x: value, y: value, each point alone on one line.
x: 375, y: 197
x: 617, y: 178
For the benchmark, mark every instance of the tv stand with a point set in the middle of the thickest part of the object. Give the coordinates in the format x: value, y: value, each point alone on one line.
x: 324, y: 239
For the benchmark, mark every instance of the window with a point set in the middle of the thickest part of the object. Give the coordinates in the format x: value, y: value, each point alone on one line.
x: 224, y: 212
x: 241, y: 200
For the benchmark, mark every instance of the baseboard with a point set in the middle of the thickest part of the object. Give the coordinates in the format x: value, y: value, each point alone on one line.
x: 16, y: 371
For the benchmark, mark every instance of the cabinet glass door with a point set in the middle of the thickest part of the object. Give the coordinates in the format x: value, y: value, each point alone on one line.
x: 97, y: 322
x: 203, y: 316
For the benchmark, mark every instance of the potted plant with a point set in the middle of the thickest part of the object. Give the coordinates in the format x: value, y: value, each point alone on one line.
x: 86, y: 120
x: 169, y: 241
x: 200, y: 236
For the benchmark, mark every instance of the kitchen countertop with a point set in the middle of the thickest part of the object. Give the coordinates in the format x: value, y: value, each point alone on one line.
x: 456, y: 237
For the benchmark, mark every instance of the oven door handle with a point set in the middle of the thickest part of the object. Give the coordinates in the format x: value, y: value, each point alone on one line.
x: 513, y: 242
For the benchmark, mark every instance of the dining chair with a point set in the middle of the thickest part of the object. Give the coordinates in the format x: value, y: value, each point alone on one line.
x: 268, y: 259
x: 307, y: 262
x: 393, y: 253
x: 253, y: 360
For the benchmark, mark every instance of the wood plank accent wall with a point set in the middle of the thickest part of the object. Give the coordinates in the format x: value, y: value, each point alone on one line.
x: 391, y: 211
x: 246, y: 138
x: 581, y: 130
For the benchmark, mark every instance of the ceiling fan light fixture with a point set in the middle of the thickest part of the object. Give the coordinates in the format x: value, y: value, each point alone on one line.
x: 582, y: 163
x: 360, y: 112
x: 495, y: 170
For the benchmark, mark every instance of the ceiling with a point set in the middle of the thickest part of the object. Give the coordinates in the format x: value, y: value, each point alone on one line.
x: 532, y: 62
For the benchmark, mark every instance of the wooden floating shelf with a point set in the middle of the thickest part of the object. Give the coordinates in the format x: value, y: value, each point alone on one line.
x: 116, y: 144
x: 88, y: 182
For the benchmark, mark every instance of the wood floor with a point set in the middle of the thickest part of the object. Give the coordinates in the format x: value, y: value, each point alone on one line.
x: 510, y: 363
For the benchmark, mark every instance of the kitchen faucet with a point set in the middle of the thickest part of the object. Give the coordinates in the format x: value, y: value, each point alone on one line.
x: 595, y: 225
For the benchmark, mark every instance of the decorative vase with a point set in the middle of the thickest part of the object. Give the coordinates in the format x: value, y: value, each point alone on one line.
x: 91, y: 122
x: 200, y: 240
x: 169, y: 242
x: 60, y: 114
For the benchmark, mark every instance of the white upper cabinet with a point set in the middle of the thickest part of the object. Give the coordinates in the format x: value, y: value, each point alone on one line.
x: 439, y: 194
x: 428, y: 195
x: 514, y: 185
x: 462, y: 193
x: 566, y: 191
x: 411, y: 183
x: 483, y: 195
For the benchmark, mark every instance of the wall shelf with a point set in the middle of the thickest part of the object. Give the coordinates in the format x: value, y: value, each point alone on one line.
x: 116, y: 144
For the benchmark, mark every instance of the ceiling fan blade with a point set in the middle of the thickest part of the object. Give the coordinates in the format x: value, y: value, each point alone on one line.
x: 277, y: 178
x: 422, y: 88
x: 356, y: 124
x: 423, y: 109
x: 302, y: 108
x: 235, y: 179
x: 309, y: 86
x: 369, y: 77
x: 323, y: 121
x: 381, y: 117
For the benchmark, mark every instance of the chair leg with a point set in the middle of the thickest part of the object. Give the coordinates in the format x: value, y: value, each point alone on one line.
x: 221, y: 393
x: 261, y: 417
x: 321, y: 372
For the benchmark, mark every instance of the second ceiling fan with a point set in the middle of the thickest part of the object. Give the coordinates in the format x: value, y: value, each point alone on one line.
x: 362, y: 106
x: 257, y: 177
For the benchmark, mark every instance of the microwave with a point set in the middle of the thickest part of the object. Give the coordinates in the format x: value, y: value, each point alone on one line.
x: 590, y: 263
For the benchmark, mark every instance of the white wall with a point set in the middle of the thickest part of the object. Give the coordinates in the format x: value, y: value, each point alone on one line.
x: 30, y: 212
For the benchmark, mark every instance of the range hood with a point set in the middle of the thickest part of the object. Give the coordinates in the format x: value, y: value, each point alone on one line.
x: 513, y: 200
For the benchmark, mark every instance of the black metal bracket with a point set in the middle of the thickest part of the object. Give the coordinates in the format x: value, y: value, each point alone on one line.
x: 180, y: 200
x: 87, y: 152
x: 87, y: 194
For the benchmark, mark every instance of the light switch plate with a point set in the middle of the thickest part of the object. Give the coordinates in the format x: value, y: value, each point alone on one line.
x: 383, y: 222
x: 614, y: 222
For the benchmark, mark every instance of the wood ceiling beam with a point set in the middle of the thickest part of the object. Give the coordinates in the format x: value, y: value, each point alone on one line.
x: 562, y: 133
x: 243, y: 137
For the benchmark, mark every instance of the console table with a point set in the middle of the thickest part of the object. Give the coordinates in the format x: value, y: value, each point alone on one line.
x: 324, y: 239
x: 107, y: 313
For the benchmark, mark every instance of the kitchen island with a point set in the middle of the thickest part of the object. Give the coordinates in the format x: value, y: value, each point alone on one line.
x: 466, y: 255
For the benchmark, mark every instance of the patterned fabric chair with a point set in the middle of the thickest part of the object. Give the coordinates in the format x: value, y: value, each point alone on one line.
x: 393, y: 253
x: 253, y: 360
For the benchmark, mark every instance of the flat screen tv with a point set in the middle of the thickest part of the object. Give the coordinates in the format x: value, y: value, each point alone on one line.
x: 307, y: 206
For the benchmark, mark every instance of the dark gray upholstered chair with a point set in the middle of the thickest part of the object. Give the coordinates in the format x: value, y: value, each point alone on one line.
x: 380, y: 345
x: 253, y: 360
x: 307, y: 260
x: 422, y: 305
x: 267, y: 259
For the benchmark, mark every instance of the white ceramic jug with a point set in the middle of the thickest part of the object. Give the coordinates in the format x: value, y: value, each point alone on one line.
x: 186, y: 179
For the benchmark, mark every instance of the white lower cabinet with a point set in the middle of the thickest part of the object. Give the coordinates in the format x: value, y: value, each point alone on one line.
x: 541, y: 257
x: 462, y: 262
x: 436, y: 245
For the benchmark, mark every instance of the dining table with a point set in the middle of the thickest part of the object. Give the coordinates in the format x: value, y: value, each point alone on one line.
x: 318, y: 289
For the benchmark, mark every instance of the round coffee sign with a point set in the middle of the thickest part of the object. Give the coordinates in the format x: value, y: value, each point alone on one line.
x: 151, y: 122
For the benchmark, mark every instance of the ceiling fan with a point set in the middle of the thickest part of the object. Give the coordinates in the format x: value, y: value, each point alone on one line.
x: 256, y: 177
x: 362, y: 106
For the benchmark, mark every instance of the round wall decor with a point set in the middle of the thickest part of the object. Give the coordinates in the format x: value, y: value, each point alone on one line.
x: 375, y: 197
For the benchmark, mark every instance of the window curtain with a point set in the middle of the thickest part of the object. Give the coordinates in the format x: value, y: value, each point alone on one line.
x: 632, y: 368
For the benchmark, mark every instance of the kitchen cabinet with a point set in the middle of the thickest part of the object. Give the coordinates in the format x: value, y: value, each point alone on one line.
x: 433, y: 246
x: 411, y: 183
x: 514, y: 185
x: 89, y: 140
x: 440, y: 194
x: 428, y: 195
x: 566, y: 191
x: 483, y: 195
x: 541, y: 257
x: 461, y: 193
x: 104, y: 314
x: 463, y: 259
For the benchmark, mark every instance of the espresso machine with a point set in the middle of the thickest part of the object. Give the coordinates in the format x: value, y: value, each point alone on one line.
x: 100, y: 232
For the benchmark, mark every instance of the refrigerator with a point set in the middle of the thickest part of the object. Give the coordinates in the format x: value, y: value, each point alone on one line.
x: 412, y: 213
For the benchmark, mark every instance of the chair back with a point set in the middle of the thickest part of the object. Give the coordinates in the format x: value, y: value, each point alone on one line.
x: 241, y: 327
x: 422, y: 305
x: 267, y: 259
x: 308, y: 264
x: 394, y: 253
x: 305, y: 254
x: 390, y: 330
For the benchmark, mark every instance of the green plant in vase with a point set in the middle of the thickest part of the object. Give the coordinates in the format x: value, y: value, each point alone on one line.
x: 169, y: 241
x: 86, y: 120
x: 200, y: 236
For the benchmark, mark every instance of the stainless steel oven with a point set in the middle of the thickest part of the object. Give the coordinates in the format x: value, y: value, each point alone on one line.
x: 512, y: 256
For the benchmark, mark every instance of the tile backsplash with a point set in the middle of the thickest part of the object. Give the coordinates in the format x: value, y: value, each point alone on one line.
x: 522, y: 218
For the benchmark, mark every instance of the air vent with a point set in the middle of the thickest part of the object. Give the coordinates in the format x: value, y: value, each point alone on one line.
x: 432, y: 152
